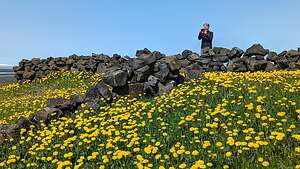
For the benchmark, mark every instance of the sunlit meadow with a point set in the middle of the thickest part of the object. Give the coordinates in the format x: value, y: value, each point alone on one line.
x: 224, y: 120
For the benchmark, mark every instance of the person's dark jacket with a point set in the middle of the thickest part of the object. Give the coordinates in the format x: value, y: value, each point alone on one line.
x: 206, y: 39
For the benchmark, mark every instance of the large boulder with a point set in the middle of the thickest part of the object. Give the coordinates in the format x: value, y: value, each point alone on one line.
x: 46, y: 114
x: 204, y: 60
x: 193, y: 57
x: 235, y: 52
x: 256, y: 65
x: 116, y: 78
x: 237, y: 65
x: 36, y: 61
x: 77, y: 99
x: 148, y: 58
x: 221, y: 51
x: 59, y: 103
x: 165, y: 89
x: 283, y: 53
x: 185, y: 53
x: 142, y: 73
x: 256, y: 49
x: 184, y: 62
x: 101, y: 68
x: 104, y: 90
x: 98, y: 91
x: 161, y: 70
x: 259, y: 57
x: 158, y: 55
x: 29, y: 75
x: 173, y: 63
x: 292, y: 53
x: 220, y: 58
x: 272, y: 56
x: 152, y: 80
x: 144, y: 51
x: 137, y: 63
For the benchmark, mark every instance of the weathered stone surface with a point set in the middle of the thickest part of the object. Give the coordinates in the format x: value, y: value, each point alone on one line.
x: 256, y: 49
x: 23, y: 122
x: 235, y: 52
x: 92, y: 93
x: 137, y: 63
x: 121, y: 90
x: 152, y: 80
x: 256, y: 65
x: 136, y: 89
x: 172, y: 62
x: 56, y: 102
x: 104, y: 90
x: 29, y: 75
x: 193, y: 57
x: 283, y: 53
x: 144, y: 51
x: 77, y: 99
x: 158, y: 55
x: 148, y: 59
x: 220, y: 58
x: 101, y: 68
x: 46, y: 114
x: 221, y: 51
x: 117, y: 78
x: 162, y: 70
x: 272, y: 56
x: 259, y: 57
x: 292, y: 53
x: 142, y: 73
x: 184, y: 63
x: 185, y: 53
x: 204, y: 61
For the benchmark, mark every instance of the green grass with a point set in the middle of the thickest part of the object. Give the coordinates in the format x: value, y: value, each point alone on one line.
x: 165, y: 131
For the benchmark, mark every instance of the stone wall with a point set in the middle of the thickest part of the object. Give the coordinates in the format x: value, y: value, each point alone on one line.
x: 150, y: 73
x: 217, y: 59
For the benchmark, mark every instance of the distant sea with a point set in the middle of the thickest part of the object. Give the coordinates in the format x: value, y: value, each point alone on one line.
x: 6, y: 74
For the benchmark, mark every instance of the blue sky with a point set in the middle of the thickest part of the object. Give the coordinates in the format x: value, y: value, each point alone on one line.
x: 35, y: 28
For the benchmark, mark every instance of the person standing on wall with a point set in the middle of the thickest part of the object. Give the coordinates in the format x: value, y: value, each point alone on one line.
x: 206, y: 36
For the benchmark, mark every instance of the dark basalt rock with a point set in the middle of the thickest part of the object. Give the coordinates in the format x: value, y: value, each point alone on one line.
x: 147, y: 58
x: 136, y: 89
x: 57, y: 103
x: 46, y: 114
x: 256, y: 49
x: 142, y: 73
x: 173, y: 63
x: 104, y: 90
x: 272, y: 56
x: 185, y: 53
x: 220, y: 58
x: 77, y: 99
x: 221, y: 51
x: 292, y: 53
x: 116, y: 78
x: 144, y: 51
x: 193, y: 57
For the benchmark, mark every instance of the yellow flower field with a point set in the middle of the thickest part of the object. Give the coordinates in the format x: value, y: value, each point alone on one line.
x: 23, y: 99
x: 224, y: 120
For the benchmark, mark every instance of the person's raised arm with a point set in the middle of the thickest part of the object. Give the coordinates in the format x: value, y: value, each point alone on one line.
x: 200, y: 35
